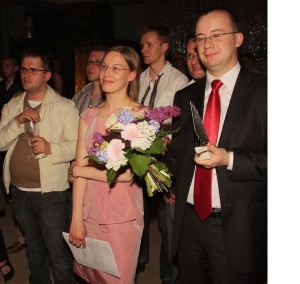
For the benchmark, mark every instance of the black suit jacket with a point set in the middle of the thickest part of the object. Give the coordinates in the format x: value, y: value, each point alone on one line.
x: 243, y: 190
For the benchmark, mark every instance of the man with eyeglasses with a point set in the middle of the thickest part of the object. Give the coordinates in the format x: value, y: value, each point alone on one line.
x: 39, y: 185
x: 158, y: 85
x: 194, y: 65
x: 220, y: 224
x: 90, y: 95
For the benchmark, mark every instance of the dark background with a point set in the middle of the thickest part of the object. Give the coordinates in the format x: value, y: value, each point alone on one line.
x: 63, y: 26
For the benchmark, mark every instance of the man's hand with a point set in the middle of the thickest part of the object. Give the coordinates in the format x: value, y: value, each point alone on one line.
x: 169, y: 198
x: 219, y: 158
x: 167, y: 140
x: 40, y: 146
x: 28, y: 114
x: 70, y: 172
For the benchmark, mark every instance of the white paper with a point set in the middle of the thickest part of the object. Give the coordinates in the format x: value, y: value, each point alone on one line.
x: 97, y: 254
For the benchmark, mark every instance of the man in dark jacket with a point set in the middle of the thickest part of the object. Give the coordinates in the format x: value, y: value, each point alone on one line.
x: 11, y: 83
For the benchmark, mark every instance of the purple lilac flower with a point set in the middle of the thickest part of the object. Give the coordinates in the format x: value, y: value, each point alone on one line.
x: 102, y: 156
x: 92, y: 151
x: 125, y: 116
x: 160, y: 114
x: 97, y: 137
x: 155, y: 124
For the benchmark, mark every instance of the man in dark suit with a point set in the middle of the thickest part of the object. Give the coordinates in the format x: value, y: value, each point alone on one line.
x: 229, y: 244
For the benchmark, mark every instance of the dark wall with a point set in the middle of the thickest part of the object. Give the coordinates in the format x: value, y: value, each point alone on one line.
x: 62, y: 28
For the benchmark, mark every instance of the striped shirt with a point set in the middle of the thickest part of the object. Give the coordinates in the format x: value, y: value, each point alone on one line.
x: 83, y: 99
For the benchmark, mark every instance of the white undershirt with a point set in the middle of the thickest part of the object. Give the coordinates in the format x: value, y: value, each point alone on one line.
x: 229, y: 80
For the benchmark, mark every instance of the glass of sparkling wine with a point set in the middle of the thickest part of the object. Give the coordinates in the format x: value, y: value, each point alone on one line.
x: 31, y: 130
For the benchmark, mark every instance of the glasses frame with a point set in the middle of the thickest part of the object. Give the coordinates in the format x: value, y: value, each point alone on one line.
x: 202, y: 40
x: 31, y: 70
x: 114, y: 69
x: 191, y: 56
x: 93, y: 63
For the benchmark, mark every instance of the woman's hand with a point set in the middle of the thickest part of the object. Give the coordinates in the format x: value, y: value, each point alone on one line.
x: 125, y: 176
x: 77, y: 233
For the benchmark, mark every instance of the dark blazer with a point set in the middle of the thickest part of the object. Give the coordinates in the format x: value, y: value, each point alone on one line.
x: 6, y: 95
x: 243, y: 190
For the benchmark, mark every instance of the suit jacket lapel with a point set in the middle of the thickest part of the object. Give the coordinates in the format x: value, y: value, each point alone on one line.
x: 237, y: 103
x: 198, y: 94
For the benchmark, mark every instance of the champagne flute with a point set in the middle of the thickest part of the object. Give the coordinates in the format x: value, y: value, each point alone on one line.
x: 31, y: 130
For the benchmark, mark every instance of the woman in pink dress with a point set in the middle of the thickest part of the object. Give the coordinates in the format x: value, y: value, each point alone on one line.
x: 100, y: 211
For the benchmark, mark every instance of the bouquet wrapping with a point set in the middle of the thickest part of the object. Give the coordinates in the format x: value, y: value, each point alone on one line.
x: 133, y: 138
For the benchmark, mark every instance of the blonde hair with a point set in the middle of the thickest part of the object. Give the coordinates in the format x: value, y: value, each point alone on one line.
x: 133, y: 60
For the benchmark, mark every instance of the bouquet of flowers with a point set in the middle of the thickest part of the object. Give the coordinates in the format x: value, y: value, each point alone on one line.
x: 133, y: 139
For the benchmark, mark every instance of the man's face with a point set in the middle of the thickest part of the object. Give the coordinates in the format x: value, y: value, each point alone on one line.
x: 33, y: 82
x: 219, y: 55
x: 9, y: 68
x: 93, y: 63
x: 152, y: 49
x: 193, y: 62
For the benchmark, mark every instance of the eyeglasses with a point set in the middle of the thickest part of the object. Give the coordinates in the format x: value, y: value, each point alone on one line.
x: 201, y: 40
x: 92, y: 62
x: 114, y: 69
x: 31, y: 70
x: 191, y: 56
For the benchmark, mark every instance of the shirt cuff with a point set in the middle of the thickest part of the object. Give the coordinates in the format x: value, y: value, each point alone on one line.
x: 230, y: 165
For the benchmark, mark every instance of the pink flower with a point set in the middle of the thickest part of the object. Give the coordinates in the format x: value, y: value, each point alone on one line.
x: 130, y: 132
x: 114, y: 149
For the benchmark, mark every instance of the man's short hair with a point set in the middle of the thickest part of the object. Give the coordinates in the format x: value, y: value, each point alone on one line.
x: 97, y: 48
x: 45, y: 56
x: 162, y: 33
x: 10, y: 58
x: 189, y: 37
x: 233, y: 18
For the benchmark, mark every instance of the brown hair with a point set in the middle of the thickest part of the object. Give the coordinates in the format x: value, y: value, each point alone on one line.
x: 162, y: 33
x: 233, y: 19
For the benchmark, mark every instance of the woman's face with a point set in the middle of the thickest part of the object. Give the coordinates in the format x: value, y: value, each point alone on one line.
x: 115, y: 74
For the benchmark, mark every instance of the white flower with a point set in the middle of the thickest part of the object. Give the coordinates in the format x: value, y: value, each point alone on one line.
x: 141, y: 142
x: 147, y: 130
x: 116, y: 164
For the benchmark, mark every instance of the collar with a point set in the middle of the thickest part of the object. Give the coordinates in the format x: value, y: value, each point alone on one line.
x: 228, y: 79
x: 167, y: 68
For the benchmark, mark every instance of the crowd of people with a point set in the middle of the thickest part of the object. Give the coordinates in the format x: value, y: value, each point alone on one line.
x: 213, y: 220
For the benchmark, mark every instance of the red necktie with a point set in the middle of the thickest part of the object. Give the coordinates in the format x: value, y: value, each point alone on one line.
x: 203, y: 176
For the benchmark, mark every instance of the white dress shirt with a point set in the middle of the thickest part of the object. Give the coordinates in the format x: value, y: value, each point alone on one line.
x: 170, y: 82
x: 229, y: 80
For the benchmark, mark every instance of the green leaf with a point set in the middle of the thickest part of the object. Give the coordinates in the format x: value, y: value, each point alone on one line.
x: 111, y: 175
x: 139, y: 163
x: 165, y: 133
x: 160, y: 166
x: 94, y: 158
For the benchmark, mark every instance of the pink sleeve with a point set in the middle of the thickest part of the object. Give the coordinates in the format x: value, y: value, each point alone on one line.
x: 88, y: 114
